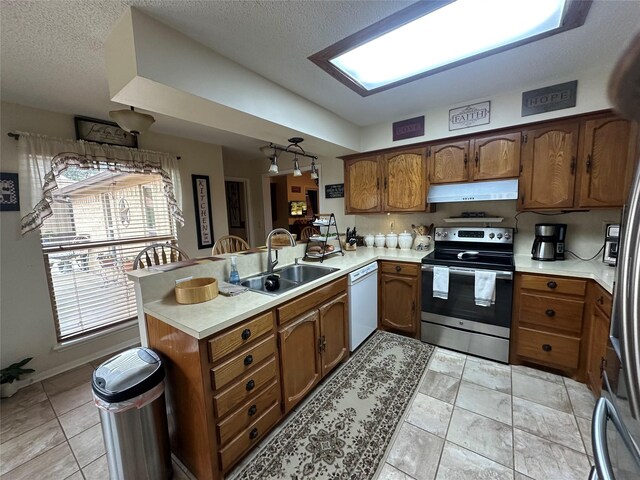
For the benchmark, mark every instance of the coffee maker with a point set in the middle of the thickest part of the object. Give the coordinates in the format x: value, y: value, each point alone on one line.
x: 548, y: 244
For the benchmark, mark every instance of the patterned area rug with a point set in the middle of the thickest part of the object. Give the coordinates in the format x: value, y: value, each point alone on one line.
x: 343, y: 431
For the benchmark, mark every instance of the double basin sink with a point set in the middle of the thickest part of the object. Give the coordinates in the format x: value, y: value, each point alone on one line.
x: 289, y: 277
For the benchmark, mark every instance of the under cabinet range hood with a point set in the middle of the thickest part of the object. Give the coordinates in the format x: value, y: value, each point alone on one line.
x: 474, y: 191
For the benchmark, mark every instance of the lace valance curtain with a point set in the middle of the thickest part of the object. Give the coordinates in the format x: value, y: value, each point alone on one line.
x: 42, y: 159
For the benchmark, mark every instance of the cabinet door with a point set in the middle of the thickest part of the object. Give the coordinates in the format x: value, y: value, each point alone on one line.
x: 496, y: 156
x: 548, y: 167
x: 334, y: 331
x: 449, y: 162
x: 362, y: 185
x: 597, y: 349
x: 399, y: 303
x: 299, y: 357
x: 606, y: 162
x: 405, y: 183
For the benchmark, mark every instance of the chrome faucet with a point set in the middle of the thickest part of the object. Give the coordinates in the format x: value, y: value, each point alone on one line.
x: 271, y: 264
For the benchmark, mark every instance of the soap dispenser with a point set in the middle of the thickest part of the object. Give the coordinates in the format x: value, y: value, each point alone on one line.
x: 234, y: 276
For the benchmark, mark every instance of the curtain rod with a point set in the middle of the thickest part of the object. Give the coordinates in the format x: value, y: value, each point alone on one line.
x: 17, y: 136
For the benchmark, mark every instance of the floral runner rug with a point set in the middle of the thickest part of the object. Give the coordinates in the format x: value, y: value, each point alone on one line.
x: 344, y: 430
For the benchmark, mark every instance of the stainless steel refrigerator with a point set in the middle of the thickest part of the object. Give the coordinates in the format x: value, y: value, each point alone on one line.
x: 616, y: 418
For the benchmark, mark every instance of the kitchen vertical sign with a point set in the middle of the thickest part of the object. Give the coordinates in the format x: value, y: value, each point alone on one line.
x: 202, y: 202
x: 470, y: 115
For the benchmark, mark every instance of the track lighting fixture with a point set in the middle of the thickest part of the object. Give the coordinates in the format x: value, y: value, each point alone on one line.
x: 295, y: 148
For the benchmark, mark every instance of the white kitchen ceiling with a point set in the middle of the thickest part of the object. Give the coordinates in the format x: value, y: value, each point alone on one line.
x: 52, y: 54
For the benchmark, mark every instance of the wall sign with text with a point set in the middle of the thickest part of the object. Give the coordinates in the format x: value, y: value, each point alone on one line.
x: 412, y: 127
x: 202, y: 203
x: 548, y: 99
x: 334, y: 191
x: 470, y: 116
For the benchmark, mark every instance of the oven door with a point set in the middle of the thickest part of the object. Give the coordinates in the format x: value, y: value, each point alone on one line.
x: 460, y: 309
x: 613, y: 430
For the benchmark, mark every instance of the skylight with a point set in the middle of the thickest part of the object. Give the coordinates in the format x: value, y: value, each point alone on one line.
x: 435, y: 39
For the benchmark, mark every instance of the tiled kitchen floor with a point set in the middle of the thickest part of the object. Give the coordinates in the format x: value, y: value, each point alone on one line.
x: 472, y: 419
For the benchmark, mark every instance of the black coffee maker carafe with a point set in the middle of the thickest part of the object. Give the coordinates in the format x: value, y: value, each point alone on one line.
x: 548, y: 244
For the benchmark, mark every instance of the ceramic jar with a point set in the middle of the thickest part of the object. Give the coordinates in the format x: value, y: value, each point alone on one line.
x: 422, y: 242
x: 392, y: 240
x: 379, y: 240
x: 369, y: 240
x: 405, y: 240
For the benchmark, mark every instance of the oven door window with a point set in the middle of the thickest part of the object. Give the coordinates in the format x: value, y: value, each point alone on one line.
x: 461, y: 302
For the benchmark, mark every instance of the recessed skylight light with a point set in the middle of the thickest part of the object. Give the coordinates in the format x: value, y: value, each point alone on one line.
x: 435, y: 39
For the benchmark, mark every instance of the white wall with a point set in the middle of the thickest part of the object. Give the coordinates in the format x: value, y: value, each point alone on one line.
x: 26, y: 319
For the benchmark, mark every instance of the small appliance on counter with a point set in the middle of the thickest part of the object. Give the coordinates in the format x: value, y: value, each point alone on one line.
x: 610, y: 255
x: 548, y: 244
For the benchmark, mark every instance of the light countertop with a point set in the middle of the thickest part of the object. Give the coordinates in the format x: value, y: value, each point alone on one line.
x: 204, y: 319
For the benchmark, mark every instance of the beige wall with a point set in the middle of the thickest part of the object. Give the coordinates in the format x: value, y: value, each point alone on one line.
x: 26, y: 320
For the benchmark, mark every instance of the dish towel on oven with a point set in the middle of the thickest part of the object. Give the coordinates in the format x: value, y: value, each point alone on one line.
x: 485, y: 288
x: 441, y: 282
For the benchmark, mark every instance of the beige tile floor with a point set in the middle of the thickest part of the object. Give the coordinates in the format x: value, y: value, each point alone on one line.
x: 471, y: 419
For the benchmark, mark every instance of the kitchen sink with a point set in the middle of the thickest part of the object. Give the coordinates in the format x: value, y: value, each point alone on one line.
x: 290, y: 277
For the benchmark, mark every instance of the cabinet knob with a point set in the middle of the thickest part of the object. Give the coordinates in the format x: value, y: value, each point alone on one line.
x: 252, y: 410
x: 546, y: 347
x: 552, y: 284
x: 398, y: 268
x: 248, y: 360
x: 250, y: 385
x: 246, y: 333
x: 253, y: 433
x: 600, y: 300
x: 550, y: 312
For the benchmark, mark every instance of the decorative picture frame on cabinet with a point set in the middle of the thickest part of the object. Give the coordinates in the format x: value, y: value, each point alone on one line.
x: 102, y: 131
x: 202, y: 204
x: 10, y: 194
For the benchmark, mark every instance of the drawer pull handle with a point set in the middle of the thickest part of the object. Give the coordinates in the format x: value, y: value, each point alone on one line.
x: 398, y: 268
x: 550, y: 312
x: 250, y: 385
x: 246, y: 333
x: 600, y: 300
x: 252, y: 410
x: 248, y: 360
x: 552, y: 284
x: 546, y: 347
x: 253, y: 433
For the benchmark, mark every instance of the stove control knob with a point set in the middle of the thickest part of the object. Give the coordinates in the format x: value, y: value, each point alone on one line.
x: 491, y: 235
x: 445, y: 234
x: 507, y: 236
x: 499, y: 236
x: 438, y: 234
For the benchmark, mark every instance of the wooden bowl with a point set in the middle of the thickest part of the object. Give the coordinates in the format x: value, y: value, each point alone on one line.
x: 197, y: 290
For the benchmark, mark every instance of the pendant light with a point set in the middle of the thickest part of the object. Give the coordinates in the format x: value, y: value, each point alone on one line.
x: 314, y: 170
x: 273, y: 168
x: 296, y: 167
x: 295, y: 148
x: 132, y: 121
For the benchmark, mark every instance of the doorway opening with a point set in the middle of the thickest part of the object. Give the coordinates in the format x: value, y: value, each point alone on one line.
x: 238, y: 214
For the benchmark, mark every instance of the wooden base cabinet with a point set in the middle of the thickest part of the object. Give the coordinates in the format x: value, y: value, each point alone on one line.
x: 600, y: 303
x: 399, y: 293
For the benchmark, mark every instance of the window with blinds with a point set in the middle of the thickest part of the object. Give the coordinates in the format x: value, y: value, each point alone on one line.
x: 101, y: 221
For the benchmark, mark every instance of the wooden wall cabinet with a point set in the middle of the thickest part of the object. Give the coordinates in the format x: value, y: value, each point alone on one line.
x: 313, y: 338
x: 449, y: 162
x: 362, y: 182
x: 496, y: 156
x: 599, y: 313
x: 399, y: 294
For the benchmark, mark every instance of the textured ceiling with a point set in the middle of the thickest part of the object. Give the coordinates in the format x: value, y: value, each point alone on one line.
x: 52, y: 54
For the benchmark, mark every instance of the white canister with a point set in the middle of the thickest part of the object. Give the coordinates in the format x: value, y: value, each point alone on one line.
x: 369, y: 240
x: 392, y: 240
x: 379, y: 240
x: 405, y: 240
x: 422, y: 242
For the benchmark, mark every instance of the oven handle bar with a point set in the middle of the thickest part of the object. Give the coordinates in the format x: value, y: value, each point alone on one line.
x: 471, y: 272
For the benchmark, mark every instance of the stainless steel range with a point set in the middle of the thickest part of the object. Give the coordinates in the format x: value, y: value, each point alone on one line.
x: 471, y: 312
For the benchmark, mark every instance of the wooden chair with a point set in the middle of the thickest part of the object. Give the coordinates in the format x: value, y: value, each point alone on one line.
x: 229, y: 244
x: 159, y: 254
x: 307, y: 232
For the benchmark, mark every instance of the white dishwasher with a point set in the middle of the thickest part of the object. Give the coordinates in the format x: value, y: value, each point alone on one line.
x: 363, y: 303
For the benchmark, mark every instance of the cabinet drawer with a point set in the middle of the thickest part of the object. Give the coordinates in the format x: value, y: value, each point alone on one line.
x: 552, y: 312
x: 249, y: 437
x: 549, y: 348
x: 603, y: 299
x: 247, y: 413
x: 227, y: 342
x: 224, y: 373
x: 400, y: 268
x: 569, y: 286
x: 309, y: 301
x: 244, y: 388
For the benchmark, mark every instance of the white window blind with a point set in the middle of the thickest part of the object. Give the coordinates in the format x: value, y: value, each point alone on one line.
x: 101, y: 221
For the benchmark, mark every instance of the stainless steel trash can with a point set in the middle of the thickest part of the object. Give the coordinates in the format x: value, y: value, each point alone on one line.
x: 129, y: 391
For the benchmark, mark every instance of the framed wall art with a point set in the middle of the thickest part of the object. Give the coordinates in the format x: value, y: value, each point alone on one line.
x: 102, y: 131
x: 202, y: 203
x: 9, y: 193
